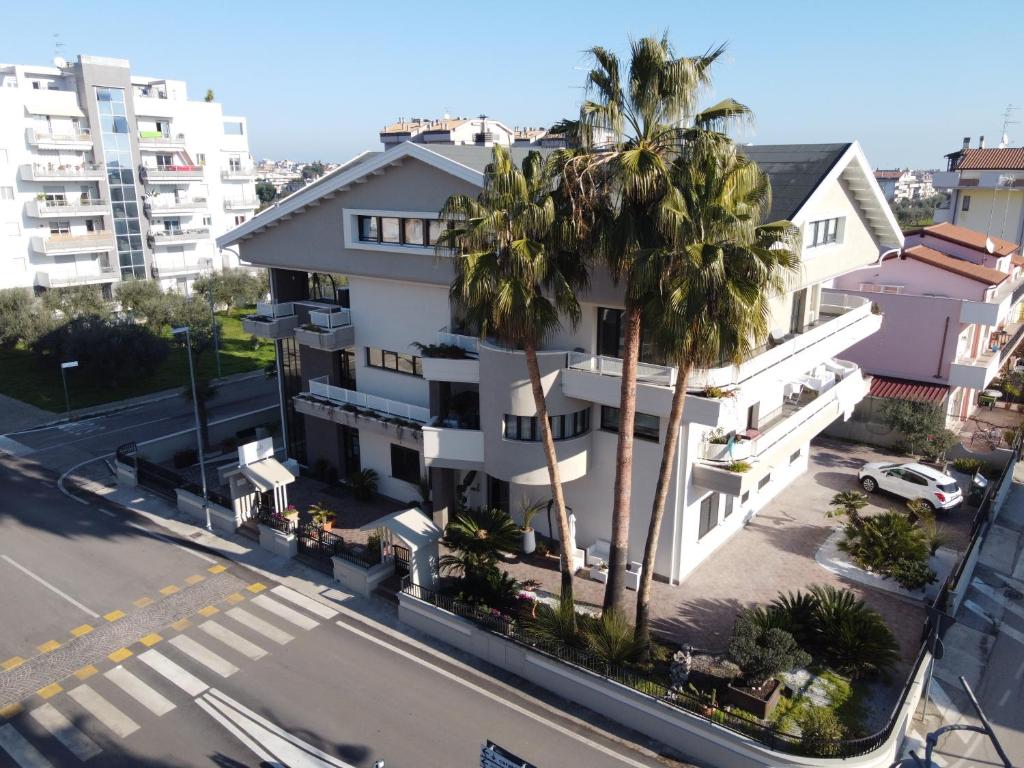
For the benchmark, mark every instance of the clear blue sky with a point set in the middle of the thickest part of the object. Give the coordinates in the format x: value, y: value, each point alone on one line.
x: 318, y: 79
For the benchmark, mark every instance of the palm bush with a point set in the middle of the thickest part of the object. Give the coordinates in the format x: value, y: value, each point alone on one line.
x: 848, y: 503
x: 363, y: 484
x: 483, y: 533
x: 891, y: 544
x: 557, y: 624
x: 852, y: 637
x: 795, y: 613
x: 489, y: 586
x: 612, y: 639
x: 763, y: 651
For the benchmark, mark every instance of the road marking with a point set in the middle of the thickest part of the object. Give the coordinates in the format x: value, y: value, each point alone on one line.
x: 194, y: 579
x: 17, y: 661
x: 49, y: 691
x: 181, y: 625
x: 203, y: 655
x: 49, y: 645
x: 86, y: 672
x: 24, y: 754
x: 256, y: 624
x: 182, y: 678
x: 49, y: 586
x: 1010, y: 632
x: 142, y: 602
x: 119, y: 655
x: 114, y: 615
x: 1005, y: 697
x: 138, y: 690
x: 217, y: 569
x: 169, y: 540
x: 301, y: 600
x: 232, y: 639
x: 80, y: 745
x: 209, y: 610
x: 265, y: 757
x: 235, y: 597
x: 495, y: 697
x: 256, y: 588
x: 108, y: 513
x: 62, y: 478
x: 11, y: 711
x: 150, y: 640
x: 110, y: 716
x: 13, y: 447
x: 85, y: 629
x: 284, y: 612
x: 169, y: 590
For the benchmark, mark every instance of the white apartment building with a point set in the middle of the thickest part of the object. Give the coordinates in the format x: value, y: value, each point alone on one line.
x: 356, y: 390
x: 107, y: 176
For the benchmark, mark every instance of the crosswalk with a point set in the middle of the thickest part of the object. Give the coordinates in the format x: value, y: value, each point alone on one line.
x: 84, y: 720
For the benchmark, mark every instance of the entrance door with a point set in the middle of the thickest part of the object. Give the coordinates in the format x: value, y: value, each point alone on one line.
x: 497, y: 493
x: 349, y: 449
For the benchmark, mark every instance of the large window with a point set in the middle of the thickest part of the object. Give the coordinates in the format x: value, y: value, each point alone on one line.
x: 611, y: 337
x: 645, y: 427
x: 563, y: 427
x: 393, y: 230
x: 405, y: 464
x: 399, y: 362
x: 823, y: 232
x: 708, y: 514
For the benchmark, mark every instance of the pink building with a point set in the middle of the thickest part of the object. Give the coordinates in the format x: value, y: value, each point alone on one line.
x: 951, y: 300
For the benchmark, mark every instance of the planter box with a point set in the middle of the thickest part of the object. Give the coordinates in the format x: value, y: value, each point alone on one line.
x: 597, y: 574
x: 741, y: 449
x: 755, y: 705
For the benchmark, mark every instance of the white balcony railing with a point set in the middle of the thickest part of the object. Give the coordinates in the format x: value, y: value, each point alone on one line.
x: 647, y: 373
x: 102, y: 274
x: 244, y: 172
x: 469, y: 344
x: 271, y: 310
x: 86, y: 207
x: 97, y: 241
x: 170, y: 173
x: 244, y: 204
x: 320, y: 388
x: 161, y: 237
x: 156, y: 138
x: 43, y: 138
x: 178, y: 268
x: 162, y: 203
x: 51, y: 172
x: 328, y: 320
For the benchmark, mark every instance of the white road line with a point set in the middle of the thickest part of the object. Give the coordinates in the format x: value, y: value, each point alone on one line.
x: 109, y: 715
x: 203, y: 655
x: 1005, y: 697
x: 236, y: 641
x: 181, y: 677
x: 23, y: 753
x: 1010, y: 632
x: 80, y: 745
x: 170, y: 541
x: 495, y: 697
x: 50, y: 586
x: 256, y: 624
x: 301, y: 600
x: 152, y: 700
x: 60, y: 480
x: 108, y: 513
x: 283, y: 611
x: 998, y: 597
x: 265, y: 757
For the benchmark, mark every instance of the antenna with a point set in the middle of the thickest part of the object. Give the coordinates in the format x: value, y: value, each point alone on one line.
x: 1008, y: 120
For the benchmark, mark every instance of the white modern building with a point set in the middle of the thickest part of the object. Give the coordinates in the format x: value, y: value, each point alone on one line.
x: 107, y: 176
x: 357, y: 391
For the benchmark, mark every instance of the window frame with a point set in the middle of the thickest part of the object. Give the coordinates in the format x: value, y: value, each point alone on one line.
x: 406, y: 465
x: 353, y: 230
x: 414, y: 361
x: 708, y: 517
x: 526, y: 429
x: 825, y: 231
x: 608, y: 424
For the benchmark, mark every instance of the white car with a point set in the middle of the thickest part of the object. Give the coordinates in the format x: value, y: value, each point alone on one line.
x: 912, y: 481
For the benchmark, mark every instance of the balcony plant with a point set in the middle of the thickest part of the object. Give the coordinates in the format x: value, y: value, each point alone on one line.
x: 446, y: 351
x: 322, y: 516
x: 529, y: 510
x: 739, y: 466
x: 291, y: 512
x: 363, y: 484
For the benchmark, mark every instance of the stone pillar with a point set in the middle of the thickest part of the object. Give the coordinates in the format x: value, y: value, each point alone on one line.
x: 442, y: 493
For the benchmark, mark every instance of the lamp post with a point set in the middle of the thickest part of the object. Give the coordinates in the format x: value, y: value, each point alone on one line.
x: 195, y: 407
x: 64, y: 380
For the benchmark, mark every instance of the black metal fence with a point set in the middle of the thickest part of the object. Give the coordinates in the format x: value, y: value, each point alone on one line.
x: 319, y: 546
x: 268, y: 517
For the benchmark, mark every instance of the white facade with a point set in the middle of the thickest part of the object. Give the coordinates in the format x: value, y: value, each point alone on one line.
x: 186, y: 176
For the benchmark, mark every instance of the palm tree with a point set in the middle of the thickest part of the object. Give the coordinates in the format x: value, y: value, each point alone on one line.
x: 719, y: 277
x: 631, y: 130
x: 848, y: 503
x: 516, y: 274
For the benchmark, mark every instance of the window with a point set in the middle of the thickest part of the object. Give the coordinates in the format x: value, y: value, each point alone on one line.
x: 368, y: 229
x: 405, y: 464
x: 646, y: 426
x: 60, y: 227
x: 611, y: 337
x: 207, y: 221
x: 708, y: 515
x: 730, y: 503
x: 764, y: 481
x: 412, y: 230
x: 394, y: 230
x: 966, y: 205
x: 399, y: 362
x: 6, y: 193
x: 823, y: 232
x: 390, y: 229
x: 200, y: 158
x: 793, y: 458
x: 433, y: 231
x: 745, y: 497
x: 563, y: 427
x: 233, y: 128
x: 239, y: 220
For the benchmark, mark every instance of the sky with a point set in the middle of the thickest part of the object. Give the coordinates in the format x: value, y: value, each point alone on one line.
x: 317, y: 80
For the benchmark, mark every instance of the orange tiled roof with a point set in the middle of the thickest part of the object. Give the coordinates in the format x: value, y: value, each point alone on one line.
x: 995, y: 159
x: 902, y: 389
x: 968, y: 237
x: 961, y: 267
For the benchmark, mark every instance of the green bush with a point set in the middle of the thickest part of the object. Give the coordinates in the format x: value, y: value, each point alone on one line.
x: 850, y: 636
x: 363, y: 484
x: 911, y: 574
x: 108, y: 352
x: 612, y: 639
x: 966, y: 464
x: 822, y: 731
x: 557, y: 625
x: 763, y: 651
x: 878, y: 543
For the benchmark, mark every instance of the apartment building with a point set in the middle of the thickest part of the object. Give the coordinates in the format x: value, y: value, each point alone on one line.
x: 357, y: 391
x: 108, y: 176
x: 987, y: 190
x: 952, y: 300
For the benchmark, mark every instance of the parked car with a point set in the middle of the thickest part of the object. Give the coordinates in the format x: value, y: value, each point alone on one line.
x: 912, y: 481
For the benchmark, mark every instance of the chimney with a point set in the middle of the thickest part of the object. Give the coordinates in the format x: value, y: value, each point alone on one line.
x: 967, y: 144
x: 981, y: 142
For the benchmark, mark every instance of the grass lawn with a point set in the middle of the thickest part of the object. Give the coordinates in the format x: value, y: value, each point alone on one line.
x: 22, y: 378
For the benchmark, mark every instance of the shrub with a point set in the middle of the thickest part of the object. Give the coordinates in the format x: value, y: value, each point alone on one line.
x: 612, y: 639
x: 109, y: 353
x: 448, y: 351
x: 558, y: 624
x: 911, y: 574
x: 738, y: 466
x: 363, y: 484
x: 918, y: 422
x: 21, y: 317
x: 795, y: 613
x: 821, y: 731
x: 966, y: 464
x: 888, y: 538
x: 762, y: 652
x: 850, y: 636
x: 185, y: 458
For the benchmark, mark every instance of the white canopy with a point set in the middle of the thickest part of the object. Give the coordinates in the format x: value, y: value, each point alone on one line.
x: 61, y: 107
x: 411, y: 525
x: 267, y: 474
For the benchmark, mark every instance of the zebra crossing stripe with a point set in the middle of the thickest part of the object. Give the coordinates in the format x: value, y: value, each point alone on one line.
x: 204, y: 656
x: 80, y: 745
x: 181, y: 677
x: 232, y: 639
x: 110, y: 716
x: 256, y: 624
x: 23, y: 753
x: 138, y: 690
x: 307, y: 603
x: 284, y: 612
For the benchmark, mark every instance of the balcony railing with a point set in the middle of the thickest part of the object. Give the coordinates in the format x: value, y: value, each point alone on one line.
x: 204, y: 264
x: 89, y: 206
x: 51, y: 172
x: 244, y: 172
x: 647, y: 373
x: 245, y: 204
x: 42, y: 138
x: 328, y: 320
x: 160, y: 139
x: 172, y: 173
x: 470, y: 344
x: 64, y: 243
x: 179, y: 236
x: 320, y: 388
x: 160, y: 204
x: 270, y: 310
x: 102, y: 274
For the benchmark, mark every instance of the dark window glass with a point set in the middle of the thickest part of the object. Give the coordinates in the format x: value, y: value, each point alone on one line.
x: 405, y: 464
x: 645, y: 426
x: 394, y: 361
x: 609, y: 332
x: 708, y: 514
x: 390, y: 230
x: 730, y: 503
x: 368, y: 228
x: 763, y: 482
x: 563, y: 427
x: 374, y: 357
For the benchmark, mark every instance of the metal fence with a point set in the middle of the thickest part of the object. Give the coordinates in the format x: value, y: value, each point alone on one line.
x: 268, y: 517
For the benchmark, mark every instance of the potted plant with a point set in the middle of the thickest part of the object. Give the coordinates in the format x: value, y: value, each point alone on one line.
x: 321, y: 516
x: 291, y: 512
x: 530, y: 509
x: 363, y: 484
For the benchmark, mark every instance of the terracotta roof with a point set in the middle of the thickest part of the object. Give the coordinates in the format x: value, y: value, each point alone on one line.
x: 968, y: 237
x: 1007, y: 159
x: 902, y: 389
x: 888, y: 174
x: 961, y: 267
x: 406, y: 126
x: 1017, y: 260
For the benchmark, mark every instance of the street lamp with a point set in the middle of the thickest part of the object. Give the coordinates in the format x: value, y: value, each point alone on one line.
x: 64, y: 379
x: 195, y: 407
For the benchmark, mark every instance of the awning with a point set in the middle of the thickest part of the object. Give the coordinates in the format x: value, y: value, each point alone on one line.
x: 61, y: 107
x: 267, y: 474
x: 410, y: 525
x: 904, y: 389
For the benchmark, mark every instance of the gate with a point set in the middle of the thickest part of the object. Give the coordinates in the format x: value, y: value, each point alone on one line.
x: 401, y: 559
x: 158, y: 479
x: 317, y: 546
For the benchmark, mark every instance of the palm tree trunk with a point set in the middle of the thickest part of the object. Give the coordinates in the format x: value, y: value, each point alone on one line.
x: 615, y: 589
x: 548, y: 441
x: 668, y: 459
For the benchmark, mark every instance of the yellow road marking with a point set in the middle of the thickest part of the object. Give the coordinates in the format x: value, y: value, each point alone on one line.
x: 114, y: 615
x: 181, y: 625
x: 216, y: 569
x: 235, y: 597
x: 194, y: 579
x: 151, y: 639
x: 85, y: 629
x: 11, y: 710
x: 11, y: 663
x: 86, y: 672
x: 170, y: 590
x: 50, y: 691
x: 142, y: 602
x: 49, y: 645
x: 256, y: 588
x: 209, y: 610
x: 119, y: 655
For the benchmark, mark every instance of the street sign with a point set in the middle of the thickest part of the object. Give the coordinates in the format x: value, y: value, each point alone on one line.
x: 72, y: 364
x: 493, y: 756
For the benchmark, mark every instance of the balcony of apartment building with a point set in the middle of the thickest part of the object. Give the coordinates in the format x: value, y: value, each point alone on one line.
x: 239, y: 172
x: 61, y: 243
x: 170, y: 174
x: 360, y: 410
x: 43, y: 208
x: 79, y: 273
x: 271, y: 320
x: 811, y: 402
x: 453, y: 439
x: 241, y: 204
x: 977, y: 180
x: 62, y: 171
x: 328, y: 329
x: 976, y: 372
x: 169, y: 205
x: 161, y: 140
x: 166, y: 265
x: 453, y: 357
x: 176, y: 236
x: 75, y: 139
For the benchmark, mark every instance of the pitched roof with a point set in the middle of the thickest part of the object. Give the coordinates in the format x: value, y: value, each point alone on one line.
x: 995, y: 159
x: 479, y: 157
x: 961, y: 267
x: 888, y: 174
x: 795, y: 171
x: 903, y: 389
x: 967, y: 237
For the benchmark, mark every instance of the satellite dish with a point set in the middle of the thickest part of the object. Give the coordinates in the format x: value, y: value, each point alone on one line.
x: 60, y: 62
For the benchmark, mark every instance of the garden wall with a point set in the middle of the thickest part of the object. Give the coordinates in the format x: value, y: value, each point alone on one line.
x: 221, y: 518
x: 691, y: 735
x: 163, y: 448
x: 362, y: 581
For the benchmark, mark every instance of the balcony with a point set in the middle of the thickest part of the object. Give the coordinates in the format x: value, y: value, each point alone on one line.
x: 101, y: 274
x: 327, y: 331
x: 170, y: 174
x: 182, y: 268
x: 453, y: 448
x: 271, y: 321
x: 792, y: 427
x: 244, y: 204
x: 42, y: 140
x: 461, y: 366
x: 170, y: 237
x: 156, y: 140
x: 51, y: 172
x: 977, y: 180
x: 92, y: 242
x: 42, y: 209
x: 394, y: 418
x: 165, y: 205
x: 978, y: 372
x: 598, y: 379
x: 243, y: 173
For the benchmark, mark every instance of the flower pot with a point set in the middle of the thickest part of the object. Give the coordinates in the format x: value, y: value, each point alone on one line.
x: 720, y: 451
x: 328, y: 524
x: 529, y: 542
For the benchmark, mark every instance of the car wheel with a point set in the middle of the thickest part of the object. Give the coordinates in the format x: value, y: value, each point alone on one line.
x: 869, y: 484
